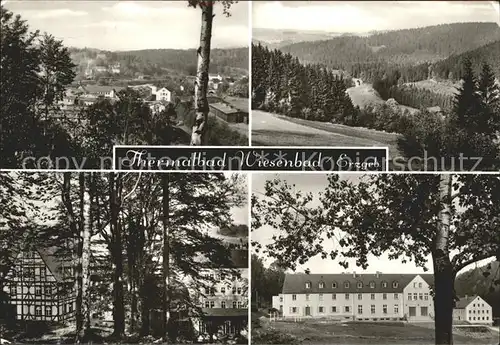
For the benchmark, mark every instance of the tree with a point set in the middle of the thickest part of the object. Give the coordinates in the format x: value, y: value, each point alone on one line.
x: 198, y: 135
x: 489, y: 93
x: 405, y: 216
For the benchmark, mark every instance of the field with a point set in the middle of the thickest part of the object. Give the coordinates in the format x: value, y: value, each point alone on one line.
x: 327, y: 332
x: 439, y: 87
x: 365, y: 94
x: 275, y: 130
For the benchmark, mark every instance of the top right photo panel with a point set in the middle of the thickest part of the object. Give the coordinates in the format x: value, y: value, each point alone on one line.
x: 419, y: 77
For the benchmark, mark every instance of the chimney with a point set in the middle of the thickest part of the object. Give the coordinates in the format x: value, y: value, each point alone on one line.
x: 466, y: 296
x: 354, y: 274
x: 378, y: 274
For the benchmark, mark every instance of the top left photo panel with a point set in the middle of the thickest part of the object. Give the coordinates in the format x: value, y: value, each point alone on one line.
x: 78, y: 77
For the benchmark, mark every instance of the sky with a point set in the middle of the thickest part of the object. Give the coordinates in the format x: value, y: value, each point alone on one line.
x: 132, y: 25
x: 315, y: 183
x: 365, y: 16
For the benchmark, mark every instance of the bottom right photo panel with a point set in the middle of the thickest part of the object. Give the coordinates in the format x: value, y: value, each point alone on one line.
x: 375, y: 258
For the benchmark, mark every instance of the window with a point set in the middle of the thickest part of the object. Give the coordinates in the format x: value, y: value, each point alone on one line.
x: 12, y: 289
x: 70, y: 307
x: 213, y: 291
x: 223, y: 304
x: 384, y: 308
x: 396, y: 309
x: 321, y: 309
x: 294, y: 297
x: 38, y: 310
x: 426, y: 296
x: 384, y: 296
x: 307, y: 297
x: 223, y: 290
x: 212, y: 304
x: 372, y: 309
x: 415, y: 285
x: 360, y: 309
x: 281, y: 299
x: 334, y: 296
x: 234, y: 290
x: 470, y: 318
x: 412, y: 311
x: 347, y: 309
x: 48, y: 311
x: 384, y: 284
x: 421, y: 296
x: 321, y: 285
x: 294, y: 310
x: 415, y: 297
x: 346, y: 296
x: 308, y: 285
x: 409, y: 297
x: 334, y: 309
x: 239, y: 291
x: 234, y: 304
x: 48, y: 290
x: 240, y: 305
x: 372, y: 296
x: 396, y: 296
x: 334, y: 285
x: 360, y: 296
x: 360, y: 285
x: 395, y: 285
x: 419, y: 285
x: 320, y: 296
x: 372, y: 285
x: 207, y: 304
x: 346, y: 285
x: 474, y: 305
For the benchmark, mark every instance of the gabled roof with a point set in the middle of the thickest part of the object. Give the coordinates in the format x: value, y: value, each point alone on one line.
x: 101, y: 88
x: 463, y: 302
x: 296, y: 283
x: 226, y: 109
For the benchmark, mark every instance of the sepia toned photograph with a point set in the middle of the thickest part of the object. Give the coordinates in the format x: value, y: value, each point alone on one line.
x: 419, y: 77
x: 114, y: 258
x: 375, y: 259
x: 81, y: 76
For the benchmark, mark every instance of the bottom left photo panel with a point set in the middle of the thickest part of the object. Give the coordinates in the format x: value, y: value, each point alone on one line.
x: 108, y: 257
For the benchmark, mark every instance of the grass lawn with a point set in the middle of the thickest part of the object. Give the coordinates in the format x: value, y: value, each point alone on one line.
x: 328, y: 332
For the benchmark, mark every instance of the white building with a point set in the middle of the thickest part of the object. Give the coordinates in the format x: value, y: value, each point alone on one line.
x: 473, y: 309
x: 357, y: 296
x: 163, y: 94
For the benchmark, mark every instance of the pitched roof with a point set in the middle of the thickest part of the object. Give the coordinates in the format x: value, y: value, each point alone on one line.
x: 101, y: 88
x: 296, y: 283
x: 54, y: 263
x: 223, y: 108
x: 463, y: 302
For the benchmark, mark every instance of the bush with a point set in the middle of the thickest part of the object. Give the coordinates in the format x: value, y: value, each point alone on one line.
x: 273, y: 336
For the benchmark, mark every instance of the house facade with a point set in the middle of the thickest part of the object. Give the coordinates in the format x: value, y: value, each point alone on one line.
x: 40, y: 287
x: 368, y: 297
x: 224, y: 301
x: 227, y: 112
x: 90, y: 91
x: 164, y: 94
x: 473, y: 309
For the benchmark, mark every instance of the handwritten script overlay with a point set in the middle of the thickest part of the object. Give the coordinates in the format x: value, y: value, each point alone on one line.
x: 210, y: 158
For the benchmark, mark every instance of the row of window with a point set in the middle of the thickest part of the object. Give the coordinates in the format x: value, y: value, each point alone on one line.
x: 347, y: 309
x: 418, y: 296
x: 479, y: 311
x: 484, y: 318
x: 39, y: 290
x: 479, y: 305
x: 30, y: 273
x: 212, y: 291
x: 347, y: 296
x: 236, y: 304
x: 359, y: 285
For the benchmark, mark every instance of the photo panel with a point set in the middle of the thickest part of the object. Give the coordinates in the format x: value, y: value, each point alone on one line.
x: 124, y: 258
x: 81, y: 76
x: 342, y: 258
x: 380, y: 73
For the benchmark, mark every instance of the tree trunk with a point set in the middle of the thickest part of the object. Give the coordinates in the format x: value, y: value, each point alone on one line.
x: 78, y: 264
x: 443, y: 271
x: 116, y: 256
x: 165, y: 178
x: 198, y: 135
x: 85, y: 261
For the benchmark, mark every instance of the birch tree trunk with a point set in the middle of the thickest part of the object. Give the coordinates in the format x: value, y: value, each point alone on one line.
x: 165, y: 178
x: 199, y: 130
x: 443, y: 270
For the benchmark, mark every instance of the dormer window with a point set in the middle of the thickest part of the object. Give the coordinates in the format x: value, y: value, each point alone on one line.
x: 346, y: 285
x: 360, y: 285
x: 395, y: 285
x: 308, y: 285
x: 334, y: 285
x: 321, y: 285
x: 384, y: 284
x: 372, y: 285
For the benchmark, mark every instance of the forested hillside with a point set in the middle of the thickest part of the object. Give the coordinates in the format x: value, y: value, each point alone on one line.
x: 410, y: 50
x: 151, y: 61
